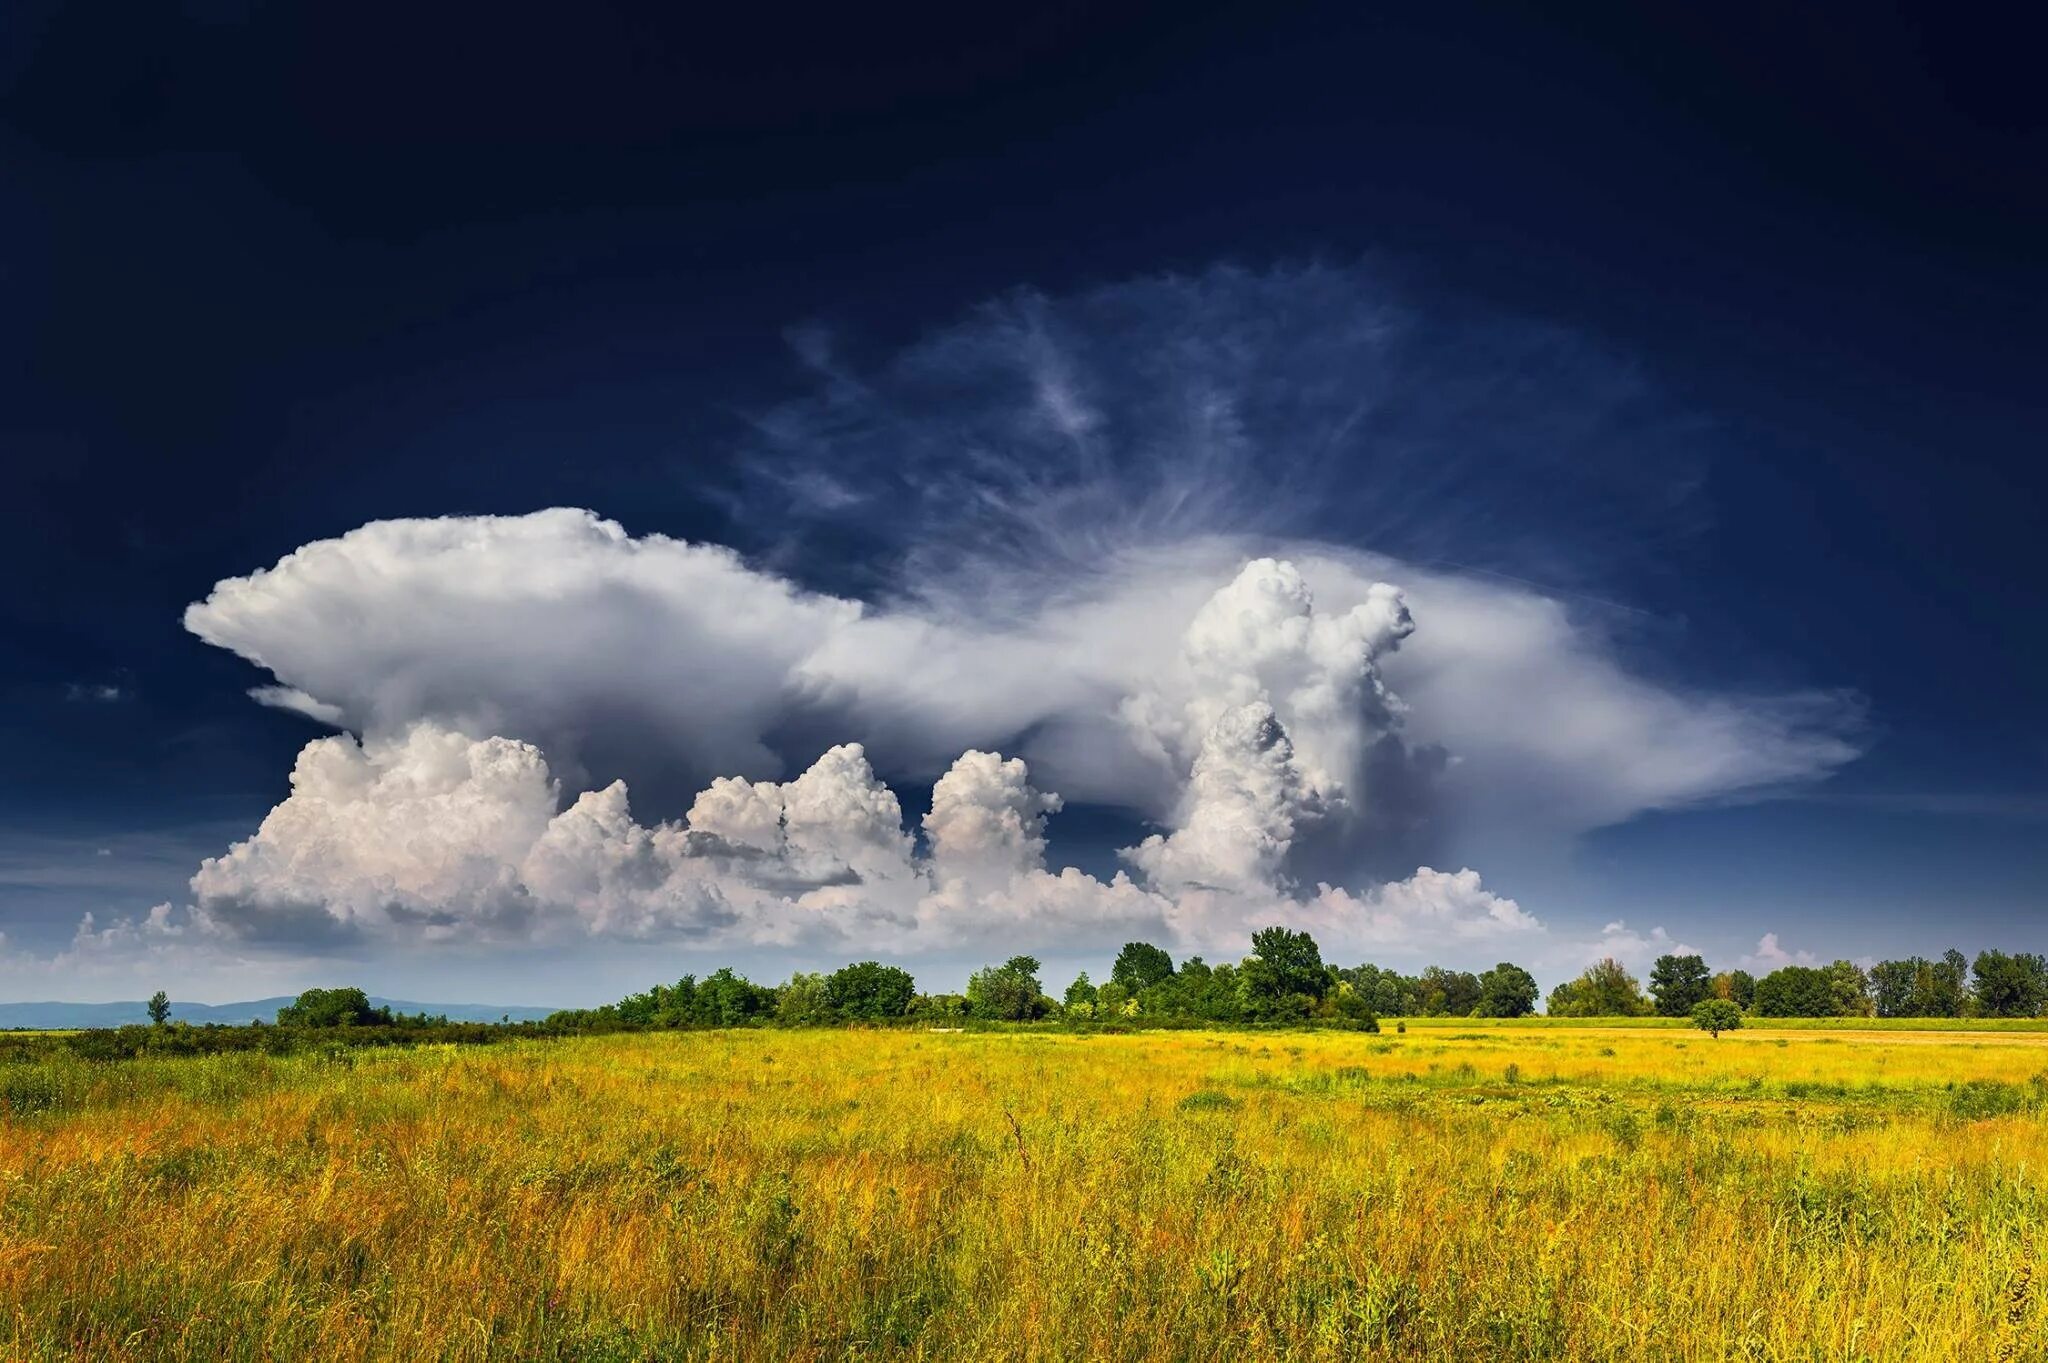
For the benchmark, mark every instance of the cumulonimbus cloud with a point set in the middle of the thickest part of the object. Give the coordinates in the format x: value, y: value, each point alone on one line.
x: 1115, y: 555
x: 660, y: 661
x: 1269, y: 723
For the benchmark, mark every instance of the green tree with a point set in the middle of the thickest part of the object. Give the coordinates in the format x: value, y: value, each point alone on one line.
x: 1139, y: 966
x: 2010, y: 986
x: 1941, y: 988
x: 1009, y: 991
x: 1283, y: 979
x: 1892, y: 986
x: 1448, y: 993
x: 1679, y: 982
x: 802, y: 1002
x: 1080, y: 991
x: 1715, y: 1016
x: 1796, y: 991
x: 159, y: 1008
x: 1850, y: 988
x: 1506, y: 991
x: 728, y: 999
x: 869, y: 991
x: 1606, y: 989
x: 348, y: 1007
x: 1347, y: 1003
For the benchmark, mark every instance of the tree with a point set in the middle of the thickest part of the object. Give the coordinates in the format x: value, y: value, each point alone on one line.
x: 1009, y: 991
x: 1679, y: 982
x: 159, y: 1008
x: 1506, y: 991
x: 1796, y: 991
x: 869, y: 991
x: 1891, y: 986
x: 1392, y: 994
x: 1283, y: 979
x: 728, y: 999
x: 333, y: 1008
x: 1606, y: 989
x: 1080, y: 991
x: 1448, y: 993
x: 802, y: 1002
x: 2012, y: 986
x: 1850, y: 988
x: 1715, y: 1016
x: 1139, y: 966
x: 1347, y: 1003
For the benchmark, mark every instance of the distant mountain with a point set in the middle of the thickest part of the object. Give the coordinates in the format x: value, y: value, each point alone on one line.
x: 42, y: 1016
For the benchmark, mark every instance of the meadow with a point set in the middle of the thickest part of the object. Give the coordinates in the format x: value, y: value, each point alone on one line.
x: 1461, y: 1190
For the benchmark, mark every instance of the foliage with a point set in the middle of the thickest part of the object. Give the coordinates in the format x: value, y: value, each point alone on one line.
x: 347, y: 1007
x: 1140, y: 965
x: 1679, y: 982
x: 2010, y: 986
x: 159, y: 1008
x: 1448, y: 993
x: 1506, y: 991
x: 1715, y: 1016
x: 869, y: 991
x: 1606, y: 989
x: 1737, y: 986
x: 1794, y: 991
x: 1283, y: 979
x: 1009, y: 992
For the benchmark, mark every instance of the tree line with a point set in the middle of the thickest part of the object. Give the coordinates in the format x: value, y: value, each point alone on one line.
x: 1284, y: 981
x: 1996, y: 984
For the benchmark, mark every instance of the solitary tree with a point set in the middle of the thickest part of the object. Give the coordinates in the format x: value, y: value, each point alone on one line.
x: 1715, y: 1016
x: 159, y: 1008
x: 333, y: 1008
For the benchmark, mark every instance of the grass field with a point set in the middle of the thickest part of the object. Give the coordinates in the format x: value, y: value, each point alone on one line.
x: 1461, y: 1191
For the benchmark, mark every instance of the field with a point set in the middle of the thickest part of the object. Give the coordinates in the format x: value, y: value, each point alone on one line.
x: 1458, y: 1191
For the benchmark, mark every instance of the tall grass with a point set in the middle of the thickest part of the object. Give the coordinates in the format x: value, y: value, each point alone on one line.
x: 1489, y: 1192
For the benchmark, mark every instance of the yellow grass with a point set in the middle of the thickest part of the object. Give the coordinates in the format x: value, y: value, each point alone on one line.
x: 1213, y: 1196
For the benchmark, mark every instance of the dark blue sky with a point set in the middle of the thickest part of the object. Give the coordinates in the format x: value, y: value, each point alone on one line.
x: 275, y: 271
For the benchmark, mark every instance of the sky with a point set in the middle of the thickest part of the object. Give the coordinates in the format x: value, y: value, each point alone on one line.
x: 514, y: 511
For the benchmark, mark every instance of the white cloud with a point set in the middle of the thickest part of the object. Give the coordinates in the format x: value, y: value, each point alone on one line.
x: 432, y: 836
x: 670, y: 664
x: 1617, y: 940
x: 298, y: 702
x: 1281, y: 736
x: 1245, y: 800
x: 987, y: 822
x: 1769, y: 956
